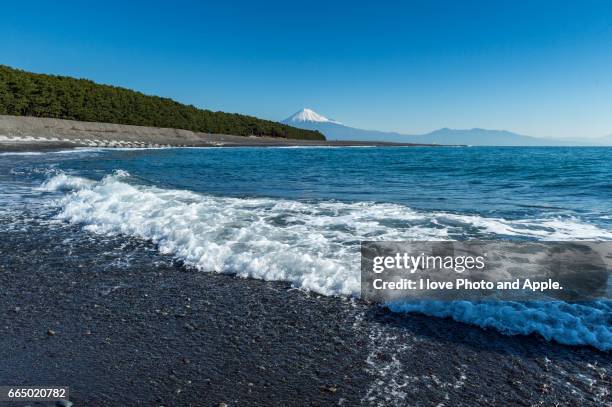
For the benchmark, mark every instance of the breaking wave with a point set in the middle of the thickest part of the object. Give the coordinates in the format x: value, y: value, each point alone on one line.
x: 315, y: 245
x: 570, y: 324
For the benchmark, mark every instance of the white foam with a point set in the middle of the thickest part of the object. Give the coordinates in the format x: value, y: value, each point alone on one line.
x: 544, y: 229
x: 63, y: 182
x: 22, y: 153
x: 77, y: 150
x: 313, y: 245
x: 17, y: 139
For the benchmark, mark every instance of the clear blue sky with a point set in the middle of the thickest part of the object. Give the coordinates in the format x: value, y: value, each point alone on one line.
x: 542, y: 68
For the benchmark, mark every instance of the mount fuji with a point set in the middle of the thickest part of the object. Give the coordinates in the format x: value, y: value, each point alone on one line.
x: 308, y: 115
x: 334, y: 130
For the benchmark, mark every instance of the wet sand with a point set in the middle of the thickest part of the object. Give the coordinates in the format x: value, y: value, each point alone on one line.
x: 122, y: 325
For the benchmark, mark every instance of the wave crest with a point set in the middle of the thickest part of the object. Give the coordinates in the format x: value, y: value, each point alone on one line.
x: 315, y: 245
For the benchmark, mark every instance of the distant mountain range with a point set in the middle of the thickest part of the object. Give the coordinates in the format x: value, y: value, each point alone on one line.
x: 334, y: 130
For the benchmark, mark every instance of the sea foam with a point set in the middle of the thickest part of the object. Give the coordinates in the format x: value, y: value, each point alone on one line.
x: 315, y: 245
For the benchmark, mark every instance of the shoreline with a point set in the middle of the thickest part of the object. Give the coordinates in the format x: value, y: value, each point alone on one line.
x: 121, y: 324
x: 22, y: 133
x: 45, y: 146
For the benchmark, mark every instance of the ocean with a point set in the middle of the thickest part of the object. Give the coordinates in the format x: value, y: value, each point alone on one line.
x: 235, y: 272
x: 298, y: 214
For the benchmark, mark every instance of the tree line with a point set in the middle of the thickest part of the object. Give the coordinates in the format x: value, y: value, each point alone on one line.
x: 29, y: 94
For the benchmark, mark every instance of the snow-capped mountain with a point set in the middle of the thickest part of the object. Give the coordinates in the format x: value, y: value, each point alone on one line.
x: 333, y: 130
x: 308, y: 115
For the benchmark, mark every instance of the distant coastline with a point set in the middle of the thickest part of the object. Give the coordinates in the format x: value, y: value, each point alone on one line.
x: 23, y: 133
x: 308, y: 119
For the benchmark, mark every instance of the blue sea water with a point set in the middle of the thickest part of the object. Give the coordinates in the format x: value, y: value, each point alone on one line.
x: 298, y: 214
x: 511, y: 182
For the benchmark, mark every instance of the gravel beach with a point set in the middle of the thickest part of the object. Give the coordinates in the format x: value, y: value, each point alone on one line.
x: 20, y: 133
x: 121, y: 324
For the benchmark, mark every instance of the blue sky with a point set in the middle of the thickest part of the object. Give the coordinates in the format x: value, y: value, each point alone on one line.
x: 542, y: 68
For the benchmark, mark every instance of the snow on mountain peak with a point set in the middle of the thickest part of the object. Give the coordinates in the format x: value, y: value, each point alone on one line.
x: 308, y: 115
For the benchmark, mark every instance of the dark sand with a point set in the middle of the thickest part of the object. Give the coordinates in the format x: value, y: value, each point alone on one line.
x: 131, y: 328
